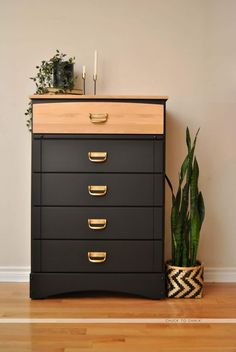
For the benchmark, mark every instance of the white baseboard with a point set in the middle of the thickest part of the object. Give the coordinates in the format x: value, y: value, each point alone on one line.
x: 227, y: 274
x: 21, y: 274
x: 14, y: 273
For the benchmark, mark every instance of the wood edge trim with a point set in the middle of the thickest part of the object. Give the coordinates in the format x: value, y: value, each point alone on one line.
x: 95, y: 97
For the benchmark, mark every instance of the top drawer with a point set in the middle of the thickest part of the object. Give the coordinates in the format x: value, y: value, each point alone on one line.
x: 98, y: 117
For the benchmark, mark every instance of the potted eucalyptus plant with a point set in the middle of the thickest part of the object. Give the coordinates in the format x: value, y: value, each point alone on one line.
x: 184, y: 271
x: 53, y: 76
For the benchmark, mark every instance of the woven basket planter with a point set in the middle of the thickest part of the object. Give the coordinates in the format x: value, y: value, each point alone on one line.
x: 184, y: 282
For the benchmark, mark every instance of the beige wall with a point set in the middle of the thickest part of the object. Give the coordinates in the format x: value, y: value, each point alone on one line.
x: 182, y: 48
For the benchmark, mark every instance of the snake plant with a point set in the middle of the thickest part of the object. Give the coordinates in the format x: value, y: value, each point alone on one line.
x: 188, y: 210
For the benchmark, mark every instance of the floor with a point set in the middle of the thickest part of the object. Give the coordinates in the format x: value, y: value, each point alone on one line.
x: 165, y: 325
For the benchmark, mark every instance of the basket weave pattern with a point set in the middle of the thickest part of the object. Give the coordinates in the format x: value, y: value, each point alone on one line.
x: 184, y: 282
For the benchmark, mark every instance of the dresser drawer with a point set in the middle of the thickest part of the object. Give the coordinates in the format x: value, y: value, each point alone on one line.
x: 71, y: 155
x: 102, y: 223
x: 53, y: 189
x: 97, y: 256
x: 98, y: 117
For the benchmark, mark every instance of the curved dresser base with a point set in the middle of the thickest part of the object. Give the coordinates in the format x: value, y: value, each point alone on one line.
x: 150, y: 285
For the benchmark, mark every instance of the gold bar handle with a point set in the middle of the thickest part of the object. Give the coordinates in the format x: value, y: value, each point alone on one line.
x: 97, y: 191
x: 97, y: 157
x: 97, y: 257
x: 98, y: 118
x: 97, y: 224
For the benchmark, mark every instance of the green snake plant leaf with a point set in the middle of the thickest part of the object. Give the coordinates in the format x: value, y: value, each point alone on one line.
x: 194, y: 184
x: 188, y: 210
x: 184, y: 219
x: 171, y: 188
x: 194, y: 236
x: 184, y: 169
x: 185, y: 201
x: 188, y: 140
x: 184, y: 261
x: 174, y: 219
x: 195, y: 138
x: 175, y: 222
x: 178, y: 198
x: 194, y: 144
x: 187, y: 235
x: 194, y: 213
x: 185, y: 256
x: 178, y: 238
x: 201, y: 208
x: 191, y: 155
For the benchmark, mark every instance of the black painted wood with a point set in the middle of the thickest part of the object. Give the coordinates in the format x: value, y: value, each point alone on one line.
x: 36, y: 154
x: 36, y: 256
x: 150, y: 285
x: 68, y: 155
x: 122, y: 223
x: 119, y: 100
x: 96, y: 136
x: 122, y: 256
x: 66, y: 189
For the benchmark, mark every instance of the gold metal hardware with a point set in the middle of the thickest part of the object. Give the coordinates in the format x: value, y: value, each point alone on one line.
x: 97, y: 224
x: 98, y: 118
x: 97, y: 191
x: 97, y: 157
x: 97, y: 257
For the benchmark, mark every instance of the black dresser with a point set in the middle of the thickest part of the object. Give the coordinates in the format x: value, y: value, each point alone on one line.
x: 98, y: 166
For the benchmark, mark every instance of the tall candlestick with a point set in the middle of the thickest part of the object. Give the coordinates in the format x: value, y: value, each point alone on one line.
x: 95, y: 73
x: 84, y: 78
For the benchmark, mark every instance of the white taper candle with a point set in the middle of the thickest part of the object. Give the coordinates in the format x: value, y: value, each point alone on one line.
x: 84, y: 72
x: 95, y: 63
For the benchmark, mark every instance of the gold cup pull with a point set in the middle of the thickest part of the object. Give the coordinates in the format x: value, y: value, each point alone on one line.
x: 98, y: 118
x: 97, y: 257
x: 97, y: 191
x: 97, y: 157
x: 97, y: 224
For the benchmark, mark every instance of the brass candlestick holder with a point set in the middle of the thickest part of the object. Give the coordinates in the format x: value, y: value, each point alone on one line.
x: 95, y: 84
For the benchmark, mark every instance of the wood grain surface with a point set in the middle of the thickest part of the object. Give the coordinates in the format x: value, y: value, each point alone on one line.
x: 219, y: 302
x: 74, y: 117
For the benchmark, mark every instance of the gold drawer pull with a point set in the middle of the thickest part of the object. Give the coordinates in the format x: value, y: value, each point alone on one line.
x: 97, y: 157
x: 97, y: 257
x: 98, y: 118
x: 97, y: 190
x: 97, y: 224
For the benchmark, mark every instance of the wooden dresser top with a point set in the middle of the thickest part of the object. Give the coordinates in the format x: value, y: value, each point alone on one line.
x: 72, y: 96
